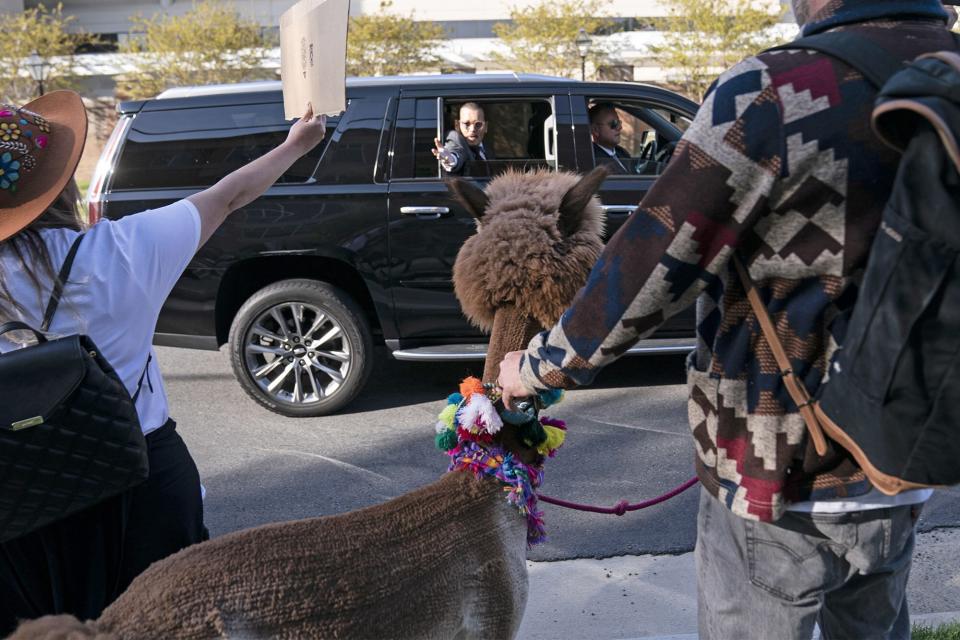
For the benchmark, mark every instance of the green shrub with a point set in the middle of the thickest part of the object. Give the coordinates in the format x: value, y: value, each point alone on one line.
x: 947, y: 631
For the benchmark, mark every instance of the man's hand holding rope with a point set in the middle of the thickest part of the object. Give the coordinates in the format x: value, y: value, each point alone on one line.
x: 509, y: 381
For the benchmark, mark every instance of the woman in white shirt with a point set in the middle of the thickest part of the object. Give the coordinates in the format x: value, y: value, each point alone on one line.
x: 121, y: 276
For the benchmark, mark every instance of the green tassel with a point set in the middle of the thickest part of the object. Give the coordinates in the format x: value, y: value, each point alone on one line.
x: 532, y: 433
x: 448, y: 415
x: 446, y: 440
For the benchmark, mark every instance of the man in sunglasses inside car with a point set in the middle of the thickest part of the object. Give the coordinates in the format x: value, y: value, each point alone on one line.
x: 464, y: 146
x: 605, y: 129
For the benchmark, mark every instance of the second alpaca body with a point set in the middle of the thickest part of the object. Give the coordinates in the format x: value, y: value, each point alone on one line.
x: 401, y: 569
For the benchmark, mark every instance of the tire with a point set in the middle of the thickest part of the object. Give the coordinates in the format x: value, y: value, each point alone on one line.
x: 282, y: 366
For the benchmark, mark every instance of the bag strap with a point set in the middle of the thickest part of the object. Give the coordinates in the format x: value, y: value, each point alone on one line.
x: 860, y: 52
x: 145, y: 373
x: 798, y: 392
x: 54, y: 301
x: 16, y: 325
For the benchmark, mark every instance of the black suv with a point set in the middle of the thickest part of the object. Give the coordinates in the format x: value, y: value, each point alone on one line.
x: 356, y: 242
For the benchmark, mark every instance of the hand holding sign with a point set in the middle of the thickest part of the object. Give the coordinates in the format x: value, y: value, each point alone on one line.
x: 313, y: 54
x: 308, y: 131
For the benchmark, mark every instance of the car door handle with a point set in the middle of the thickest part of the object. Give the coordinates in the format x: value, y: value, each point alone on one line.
x: 619, y: 209
x: 425, y: 212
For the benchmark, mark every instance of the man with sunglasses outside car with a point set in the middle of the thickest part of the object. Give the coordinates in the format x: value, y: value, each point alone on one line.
x: 605, y: 129
x: 464, y: 149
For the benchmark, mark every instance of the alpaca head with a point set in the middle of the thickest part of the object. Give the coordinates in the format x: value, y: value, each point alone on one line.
x: 538, y: 235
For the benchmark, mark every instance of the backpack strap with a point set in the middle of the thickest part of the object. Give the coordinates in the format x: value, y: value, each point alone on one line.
x: 59, y: 284
x: 798, y: 392
x: 860, y: 52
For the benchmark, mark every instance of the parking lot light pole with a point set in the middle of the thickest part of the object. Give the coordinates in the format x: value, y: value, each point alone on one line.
x: 583, y: 48
x: 38, y: 67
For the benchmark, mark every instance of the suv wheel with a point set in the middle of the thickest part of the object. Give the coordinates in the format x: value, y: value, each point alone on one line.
x: 301, y: 348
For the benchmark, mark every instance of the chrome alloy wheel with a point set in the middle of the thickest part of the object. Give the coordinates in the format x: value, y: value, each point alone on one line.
x: 297, y: 353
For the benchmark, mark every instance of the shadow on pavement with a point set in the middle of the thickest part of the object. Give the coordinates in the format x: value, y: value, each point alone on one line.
x: 599, y: 468
x: 394, y: 383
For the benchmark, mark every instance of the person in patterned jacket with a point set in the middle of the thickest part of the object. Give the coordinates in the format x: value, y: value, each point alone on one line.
x: 781, y: 167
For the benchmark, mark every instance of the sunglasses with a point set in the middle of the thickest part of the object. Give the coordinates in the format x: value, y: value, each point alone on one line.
x: 615, y: 124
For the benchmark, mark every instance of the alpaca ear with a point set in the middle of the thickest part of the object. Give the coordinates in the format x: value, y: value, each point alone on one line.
x: 473, y: 198
x: 576, y: 199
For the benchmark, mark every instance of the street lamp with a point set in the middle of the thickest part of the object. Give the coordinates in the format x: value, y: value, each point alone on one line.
x: 583, y: 48
x: 38, y: 68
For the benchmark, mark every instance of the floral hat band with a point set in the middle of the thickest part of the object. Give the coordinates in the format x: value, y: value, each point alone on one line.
x: 40, y: 146
x: 23, y: 135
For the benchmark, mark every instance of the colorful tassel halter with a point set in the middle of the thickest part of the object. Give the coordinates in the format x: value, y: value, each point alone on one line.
x: 466, y: 428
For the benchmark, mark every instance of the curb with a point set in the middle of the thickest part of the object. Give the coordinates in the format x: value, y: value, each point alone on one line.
x: 927, y: 619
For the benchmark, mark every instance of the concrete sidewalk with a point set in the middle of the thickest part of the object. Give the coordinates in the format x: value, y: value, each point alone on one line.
x: 655, y: 596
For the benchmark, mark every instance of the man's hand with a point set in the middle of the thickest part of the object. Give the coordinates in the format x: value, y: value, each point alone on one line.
x: 443, y: 155
x: 509, y: 379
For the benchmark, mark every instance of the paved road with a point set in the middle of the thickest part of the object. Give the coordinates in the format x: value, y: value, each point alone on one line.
x: 627, y: 439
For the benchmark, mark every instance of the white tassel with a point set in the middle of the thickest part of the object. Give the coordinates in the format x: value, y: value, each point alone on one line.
x: 479, y: 408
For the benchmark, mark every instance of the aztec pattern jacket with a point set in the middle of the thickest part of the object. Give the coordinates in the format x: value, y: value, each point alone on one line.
x: 780, y: 165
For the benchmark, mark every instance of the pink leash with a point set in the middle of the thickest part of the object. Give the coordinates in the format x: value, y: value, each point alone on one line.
x: 623, y: 506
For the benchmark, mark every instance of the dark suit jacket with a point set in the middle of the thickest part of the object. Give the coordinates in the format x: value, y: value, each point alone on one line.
x: 601, y: 157
x: 466, y: 155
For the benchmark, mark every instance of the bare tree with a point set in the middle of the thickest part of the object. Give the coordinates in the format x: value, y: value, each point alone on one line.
x: 43, y: 31
x: 704, y: 37
x: 542, y: 38
x: 389, y: 44
x: 212, y: 43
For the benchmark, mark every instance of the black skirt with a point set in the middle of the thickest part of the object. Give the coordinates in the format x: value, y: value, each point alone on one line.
x: 80, y: 564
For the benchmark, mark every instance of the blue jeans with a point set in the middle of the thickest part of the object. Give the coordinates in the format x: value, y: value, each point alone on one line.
x: 847, y: 572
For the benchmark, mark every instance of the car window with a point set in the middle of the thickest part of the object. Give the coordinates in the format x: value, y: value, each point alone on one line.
x: 413, y: 139
x: 174, y: 149
x: 519, y: 134
x: 680, y: 121
x: 632, y: 138
x: 354, y: 146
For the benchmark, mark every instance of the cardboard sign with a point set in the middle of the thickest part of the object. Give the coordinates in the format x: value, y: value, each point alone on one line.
x: 313, y: 56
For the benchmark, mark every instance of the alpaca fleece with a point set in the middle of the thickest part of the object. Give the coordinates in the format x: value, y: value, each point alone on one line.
x: 424, y: 565
x: 519, y: 256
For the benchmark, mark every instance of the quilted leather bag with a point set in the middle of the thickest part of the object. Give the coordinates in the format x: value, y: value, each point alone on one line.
x: 69, y: 432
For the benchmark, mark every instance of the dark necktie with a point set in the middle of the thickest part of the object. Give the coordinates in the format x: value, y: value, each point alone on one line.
x: 617, y: 160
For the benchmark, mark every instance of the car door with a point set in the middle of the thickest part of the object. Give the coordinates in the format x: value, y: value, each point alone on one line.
x: 426, y: 227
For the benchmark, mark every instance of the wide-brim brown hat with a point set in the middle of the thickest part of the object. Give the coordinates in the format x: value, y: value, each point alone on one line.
x: 40, y: 146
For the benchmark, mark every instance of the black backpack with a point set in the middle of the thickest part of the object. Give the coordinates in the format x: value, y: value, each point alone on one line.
x: 69, y: 432
x: 892, y: 398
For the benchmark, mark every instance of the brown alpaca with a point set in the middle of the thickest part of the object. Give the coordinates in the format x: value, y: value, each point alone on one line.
x: 445, y: 561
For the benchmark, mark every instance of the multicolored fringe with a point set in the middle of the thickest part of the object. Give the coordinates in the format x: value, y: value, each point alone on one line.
x: 466, y: 429
x: 520, y: 480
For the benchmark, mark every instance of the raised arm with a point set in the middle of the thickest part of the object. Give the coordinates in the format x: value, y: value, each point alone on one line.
x: 247, y: 183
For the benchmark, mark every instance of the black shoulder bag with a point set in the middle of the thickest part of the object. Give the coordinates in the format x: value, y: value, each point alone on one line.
x: 69, y: 432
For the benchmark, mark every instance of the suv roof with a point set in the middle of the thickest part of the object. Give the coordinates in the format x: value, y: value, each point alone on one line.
x: 242, y: 91
x: 470, y: 79
x: 258, y: 91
